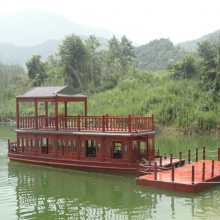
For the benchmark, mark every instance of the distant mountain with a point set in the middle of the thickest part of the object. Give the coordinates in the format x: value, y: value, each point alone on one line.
x: 191, y: 45
x: 34, y: 27
x: 157, y: 54
x: 11, y: 54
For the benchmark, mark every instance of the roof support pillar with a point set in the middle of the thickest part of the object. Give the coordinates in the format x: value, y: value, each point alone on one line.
x: 86, y: 107
x: 65, y: 114
x: 17, y: 113
x: 46, y: 114
x: 56, y: 114
x: 36, y: 113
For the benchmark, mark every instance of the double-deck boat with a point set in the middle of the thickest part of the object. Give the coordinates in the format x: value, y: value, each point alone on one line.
x: 49, y: 134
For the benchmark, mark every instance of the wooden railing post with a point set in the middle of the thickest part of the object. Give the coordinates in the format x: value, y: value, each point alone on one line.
x: 152, y: 122
x: 103, y: 123
x: 197, y: 154
x: 180, y: 157
x: 155, y: 170
x: 78, y: 123
x: 171, y: 159
x: 173, y: 178
x: 193, y: 175
x: 213, y: 168
x: 106, y: 122
x: 189, y: 153
x: 160, y: 161
x: 129, y: 123
x: 203, y: 153
x: 203, y: 171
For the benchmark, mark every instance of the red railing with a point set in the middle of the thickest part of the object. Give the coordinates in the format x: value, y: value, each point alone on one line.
x: 89, y: 123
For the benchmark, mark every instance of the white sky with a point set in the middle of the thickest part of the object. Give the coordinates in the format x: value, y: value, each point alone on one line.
x: 140, y: 20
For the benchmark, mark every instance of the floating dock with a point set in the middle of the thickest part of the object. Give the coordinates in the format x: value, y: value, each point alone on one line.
x: 192, y: 177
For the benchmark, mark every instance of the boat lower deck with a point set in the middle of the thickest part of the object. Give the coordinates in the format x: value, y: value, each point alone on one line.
x: 188, y: 178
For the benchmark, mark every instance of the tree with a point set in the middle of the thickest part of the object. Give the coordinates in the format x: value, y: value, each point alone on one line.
x: 121, y: 53
x: 74, y: 59
x: 94, y: 65
x: 36, y: 70
x: 209, y: 67
x: 186, y: 68
x: 126, y: 53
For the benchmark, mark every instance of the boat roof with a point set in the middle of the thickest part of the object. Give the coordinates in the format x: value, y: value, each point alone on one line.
x: 51, y: 91
x: 87, y: 133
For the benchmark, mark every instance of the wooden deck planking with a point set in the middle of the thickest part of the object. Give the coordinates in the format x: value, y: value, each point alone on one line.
x: 183, y: 177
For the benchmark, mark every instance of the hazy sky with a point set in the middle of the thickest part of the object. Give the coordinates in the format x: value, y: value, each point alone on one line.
x: 140, y: 20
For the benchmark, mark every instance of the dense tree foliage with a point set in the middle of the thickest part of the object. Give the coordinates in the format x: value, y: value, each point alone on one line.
x: 203, y: 65
x: 185, y: 68
x: 74, y: 60
x: 36, y: 70
x: 157, y: 54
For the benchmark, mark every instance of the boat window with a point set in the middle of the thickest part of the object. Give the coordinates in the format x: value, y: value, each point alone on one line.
x: 44, y: 149
x: 69, y: 145
x: 39, y: 142
x: 134, y: 146
x: 90, y: 148
x: 82, y: 147
x: 74, y: 146
x: 33, y: 142
x: 142, y: 147
x: 19, y: 142
x: 61, y: 145
x: 25, y: 142
x: 51, y: 144
x: 44, y: 141
x: 125, y: 150
x: 117, y: 150
x: 99, y: 148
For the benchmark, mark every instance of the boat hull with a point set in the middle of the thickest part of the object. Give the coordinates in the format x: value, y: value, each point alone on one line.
x: 76, y: 164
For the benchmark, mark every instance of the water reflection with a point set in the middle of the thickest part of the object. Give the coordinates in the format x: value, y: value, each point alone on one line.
x: 43, y: 192
x: 51, y: 193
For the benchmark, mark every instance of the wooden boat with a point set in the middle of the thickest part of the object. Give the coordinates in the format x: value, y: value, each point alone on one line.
x: 53, y: 136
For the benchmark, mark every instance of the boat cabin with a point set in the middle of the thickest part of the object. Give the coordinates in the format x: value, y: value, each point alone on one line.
x: 49, y: 133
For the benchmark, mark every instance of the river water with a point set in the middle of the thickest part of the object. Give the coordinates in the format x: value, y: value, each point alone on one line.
x: 39, y: 192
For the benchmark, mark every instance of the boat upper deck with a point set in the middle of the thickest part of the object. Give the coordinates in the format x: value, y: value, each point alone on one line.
x: 58, y: 120
x: 103, y: 123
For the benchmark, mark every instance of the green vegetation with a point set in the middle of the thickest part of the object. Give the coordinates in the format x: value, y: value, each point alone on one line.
x: 13, y: 81
x: 157, y: 54
x: 184, y: 97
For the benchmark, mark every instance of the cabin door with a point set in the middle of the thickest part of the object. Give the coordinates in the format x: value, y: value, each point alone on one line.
x: 44, y: 146
x: 150, y: 152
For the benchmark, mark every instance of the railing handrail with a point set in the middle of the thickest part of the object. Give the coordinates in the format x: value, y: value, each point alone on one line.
x: 83, y: 123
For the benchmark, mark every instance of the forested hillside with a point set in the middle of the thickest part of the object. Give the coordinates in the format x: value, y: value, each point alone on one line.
x: 184, y: 97
x: 157, y: 54
x: 192, y: 45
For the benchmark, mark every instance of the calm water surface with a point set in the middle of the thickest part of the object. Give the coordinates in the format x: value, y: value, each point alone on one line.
x: 39, y: 192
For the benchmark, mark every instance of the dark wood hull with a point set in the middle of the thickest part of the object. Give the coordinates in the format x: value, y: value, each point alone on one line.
x: 76, y: 164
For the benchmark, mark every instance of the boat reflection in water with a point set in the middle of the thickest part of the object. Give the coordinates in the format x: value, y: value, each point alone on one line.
x: 43, y: 192
x: 51, y: 193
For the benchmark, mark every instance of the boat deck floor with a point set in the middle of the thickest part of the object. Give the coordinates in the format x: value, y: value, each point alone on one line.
x: 182, y: 179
